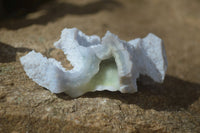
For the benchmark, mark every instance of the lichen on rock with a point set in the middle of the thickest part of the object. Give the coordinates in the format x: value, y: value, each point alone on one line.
x: 98, y: 64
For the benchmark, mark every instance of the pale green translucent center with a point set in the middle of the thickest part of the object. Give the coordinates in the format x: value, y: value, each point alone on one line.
x: 107, y: 76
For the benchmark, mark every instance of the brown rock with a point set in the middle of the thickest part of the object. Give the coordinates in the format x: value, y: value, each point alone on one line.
x: 173, y: 106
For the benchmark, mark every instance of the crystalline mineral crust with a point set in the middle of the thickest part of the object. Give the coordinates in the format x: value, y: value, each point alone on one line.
x: 98, y: 64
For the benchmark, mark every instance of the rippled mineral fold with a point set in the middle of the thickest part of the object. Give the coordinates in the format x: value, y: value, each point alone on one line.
x: 98, y: 64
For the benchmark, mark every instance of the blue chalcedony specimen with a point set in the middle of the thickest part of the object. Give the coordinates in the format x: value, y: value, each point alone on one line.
x: 98, y: 64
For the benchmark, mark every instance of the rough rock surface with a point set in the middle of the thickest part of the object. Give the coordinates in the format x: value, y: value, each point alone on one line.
x: 170, y: 107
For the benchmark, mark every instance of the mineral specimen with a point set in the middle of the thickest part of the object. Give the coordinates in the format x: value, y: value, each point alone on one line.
x: 98, y: 64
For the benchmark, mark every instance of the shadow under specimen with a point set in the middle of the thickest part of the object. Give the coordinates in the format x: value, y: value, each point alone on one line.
x: 173, y: 95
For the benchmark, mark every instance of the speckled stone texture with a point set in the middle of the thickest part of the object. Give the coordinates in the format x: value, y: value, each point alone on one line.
x: 170, y: 107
